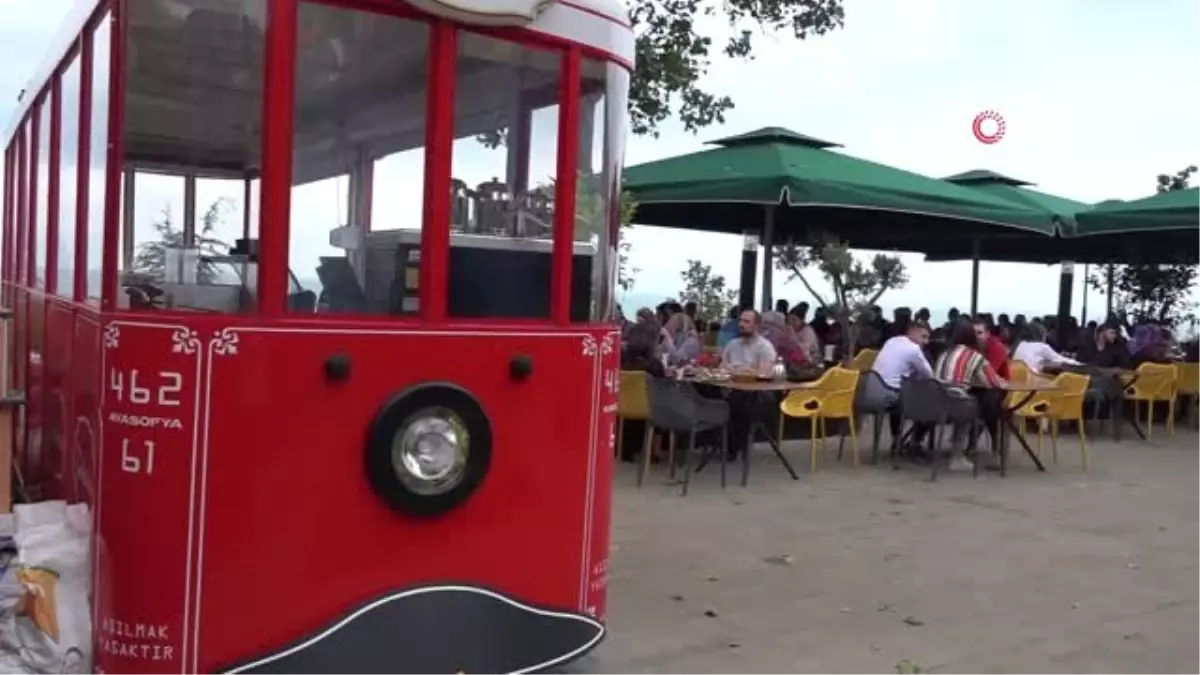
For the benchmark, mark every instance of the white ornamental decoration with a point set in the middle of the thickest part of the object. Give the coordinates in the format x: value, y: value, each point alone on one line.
x: 185, y: 341
x: 606, y: 346
x: 112, y: 336
x: 225, y: 342
x: 589, y: 345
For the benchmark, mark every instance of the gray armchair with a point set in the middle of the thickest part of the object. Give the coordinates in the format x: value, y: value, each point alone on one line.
x: 677, y: 407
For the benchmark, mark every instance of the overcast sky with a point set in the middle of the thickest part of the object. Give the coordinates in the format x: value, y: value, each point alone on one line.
x: 1099, y: 97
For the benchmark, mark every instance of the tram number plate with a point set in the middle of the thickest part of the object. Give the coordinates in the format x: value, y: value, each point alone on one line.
x: 163, y: 390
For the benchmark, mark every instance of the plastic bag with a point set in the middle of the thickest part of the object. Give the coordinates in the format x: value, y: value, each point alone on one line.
x: 52, y: 624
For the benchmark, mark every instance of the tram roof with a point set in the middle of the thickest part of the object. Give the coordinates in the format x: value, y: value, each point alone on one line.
x: 613, y: 11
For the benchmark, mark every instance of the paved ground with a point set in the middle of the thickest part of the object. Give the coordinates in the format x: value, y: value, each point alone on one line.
x: 857, y: 570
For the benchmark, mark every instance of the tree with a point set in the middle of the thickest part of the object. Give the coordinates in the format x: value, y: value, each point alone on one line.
x: 1152, y: 293
x: 625, y: 271
x: 151, y: 257
x: 672, y: 55
x: 713, y: 299
x: 856, y: 286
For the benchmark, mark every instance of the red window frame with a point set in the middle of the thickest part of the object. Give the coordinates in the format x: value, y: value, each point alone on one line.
x: 278, y: 104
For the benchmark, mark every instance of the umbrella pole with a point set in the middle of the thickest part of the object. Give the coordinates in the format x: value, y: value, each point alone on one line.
x: 749, y: 270
x: 1108, y: 311
x: 768, y: 259
x: 976, y: 253
x: 1066, y: 283
x: 1086, y: 269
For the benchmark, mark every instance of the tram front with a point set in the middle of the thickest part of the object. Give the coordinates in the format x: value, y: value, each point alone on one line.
x: 389, y: 440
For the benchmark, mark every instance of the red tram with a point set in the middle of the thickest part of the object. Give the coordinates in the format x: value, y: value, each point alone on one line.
x: 400, y: 466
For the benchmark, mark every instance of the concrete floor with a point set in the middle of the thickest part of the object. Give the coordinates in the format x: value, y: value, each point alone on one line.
x: 856, y: 570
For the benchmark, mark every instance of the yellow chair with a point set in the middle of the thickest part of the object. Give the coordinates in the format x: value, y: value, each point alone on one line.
x: 864, y: 360
x: 1187, y: 383
x: 1064, y: 404
x: 1019, y: 371
x: 633, y: 403
x: 1155, y: 383
x: 831, y: 397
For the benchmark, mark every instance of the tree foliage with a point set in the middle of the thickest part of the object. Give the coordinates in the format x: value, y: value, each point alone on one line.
x: 856, y: 285
x: 709, y: 291
x: 1152, y: 293
x: 673, y: 53
x: 151, y: 256
x: 625, y: 270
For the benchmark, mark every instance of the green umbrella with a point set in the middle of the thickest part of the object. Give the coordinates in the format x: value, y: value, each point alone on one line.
x: 1163, y: 228
x: 730, y: 188
x: 1166, y: 211
x: 1018, y: 245
x: 1061, y: 209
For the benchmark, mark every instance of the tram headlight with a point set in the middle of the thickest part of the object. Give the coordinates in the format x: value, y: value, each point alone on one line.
x: 428, y: 449
x: 430, y: 452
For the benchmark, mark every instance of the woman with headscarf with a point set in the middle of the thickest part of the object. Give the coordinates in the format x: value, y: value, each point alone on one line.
x: 783, y: 339
x: 805, y: 335
x: 685, y: 344
x: 1147, y: 345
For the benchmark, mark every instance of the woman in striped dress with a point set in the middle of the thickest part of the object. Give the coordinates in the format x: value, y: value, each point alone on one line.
x: 966, y: 371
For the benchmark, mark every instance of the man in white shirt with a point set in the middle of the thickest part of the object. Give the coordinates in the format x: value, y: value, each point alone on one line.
x: 1033, y: 351
x: 749, y: 350
x: 901, y: 356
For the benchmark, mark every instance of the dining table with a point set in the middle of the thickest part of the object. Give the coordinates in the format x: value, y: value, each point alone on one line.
x: 1008, y: 425
x: 1123, y: 378
x: 773, y: 388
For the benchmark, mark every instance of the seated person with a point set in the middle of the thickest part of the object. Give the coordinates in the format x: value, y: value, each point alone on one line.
x: 729, y: 329
x: 1148, y: 346
x: 685, y: 344
x: 749, y: 352
x: 640, y: 351
x: 1033, y: 351
x: 964, y: 368
x: 786, y: 343
x: 991, y: 346
x: 1107, y: 350
x: 900, y: 357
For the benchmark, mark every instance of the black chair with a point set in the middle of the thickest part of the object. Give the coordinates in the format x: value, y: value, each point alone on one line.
x: 677, y: 407
x: 876, y: 409
x: 928, y: 401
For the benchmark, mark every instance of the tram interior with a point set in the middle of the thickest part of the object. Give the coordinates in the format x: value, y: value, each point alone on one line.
x: 194, y: 101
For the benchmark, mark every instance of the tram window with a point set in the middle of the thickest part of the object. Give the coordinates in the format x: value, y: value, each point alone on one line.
x: 504, y: 164
x: 98, y: 155
x: 358, y: 167
x: 67, y: 174
x: 601, y: 153
x: 42, y: 198
x: 193, y: 131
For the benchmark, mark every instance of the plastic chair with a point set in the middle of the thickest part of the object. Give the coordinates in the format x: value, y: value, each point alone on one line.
x: 864, y: 360
x: 1187, y: 383
x: 875, y: 409
x: 1156, y: 382
x: 633, y: 403
x: 1019, y: 371
x: 676, y: 407
x: 1062, y: 405
x: 831, y: 397
x: 928, y: 401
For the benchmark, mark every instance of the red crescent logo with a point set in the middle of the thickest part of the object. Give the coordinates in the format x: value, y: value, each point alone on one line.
x: 983, y: 136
